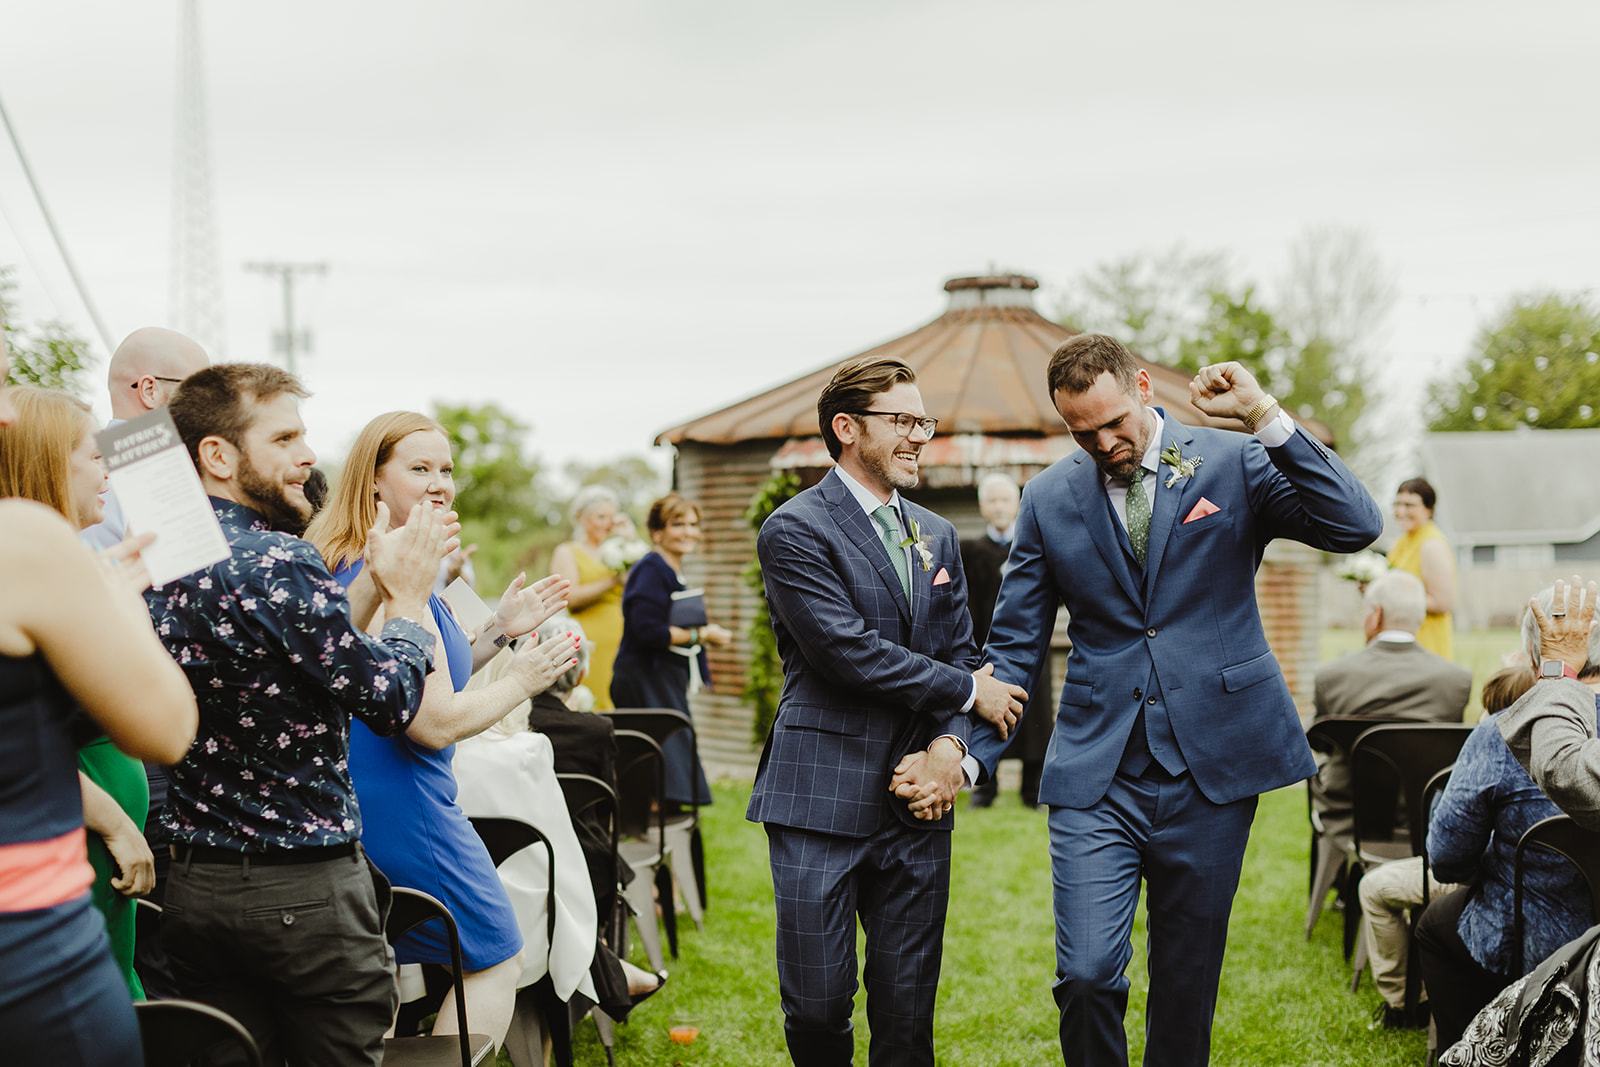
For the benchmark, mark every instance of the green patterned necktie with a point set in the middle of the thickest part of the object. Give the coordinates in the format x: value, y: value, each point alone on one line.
x: 886, y: 518
x: 1138, y: 516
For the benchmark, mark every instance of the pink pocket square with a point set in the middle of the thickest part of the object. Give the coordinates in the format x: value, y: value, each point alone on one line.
x: 1201, y: 510
x: 942, y: 578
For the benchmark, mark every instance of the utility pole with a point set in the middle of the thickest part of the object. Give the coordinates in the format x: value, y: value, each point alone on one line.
x: 289, y: 341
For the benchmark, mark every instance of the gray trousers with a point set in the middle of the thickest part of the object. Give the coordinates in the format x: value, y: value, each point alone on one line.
x: 295, y: 952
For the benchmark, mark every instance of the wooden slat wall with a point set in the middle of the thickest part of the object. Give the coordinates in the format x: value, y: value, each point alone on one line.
x: 722, y: 479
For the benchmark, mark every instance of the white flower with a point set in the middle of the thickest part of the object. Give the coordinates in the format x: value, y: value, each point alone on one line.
x: 619, y: 554
x: 1363, y: 567
x: 915, y: 541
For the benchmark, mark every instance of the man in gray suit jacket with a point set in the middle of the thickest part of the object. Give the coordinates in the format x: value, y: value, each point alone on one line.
x: 1393, y: 677
x: 869, y: 607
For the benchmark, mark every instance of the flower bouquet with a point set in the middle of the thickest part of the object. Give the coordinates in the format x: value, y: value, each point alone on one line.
x: 619, y: 554
x: 1363, y: 567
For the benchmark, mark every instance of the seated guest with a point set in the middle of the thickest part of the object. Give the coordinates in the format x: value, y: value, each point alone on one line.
x: 1392, y: 678
x: 273, y: 913
x: 412, y: 827
x: 1387, y: 891
x: 1464, y: 937
x: 73, y: 640
x: 508, y: 770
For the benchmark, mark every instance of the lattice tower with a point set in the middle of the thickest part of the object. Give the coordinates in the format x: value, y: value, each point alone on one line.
x: 194, y: 290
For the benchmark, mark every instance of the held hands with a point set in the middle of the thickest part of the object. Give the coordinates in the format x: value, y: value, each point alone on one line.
x: 537, y: 666
x: 998, y: 702
x: 522, y: 610
x: 1226, y: 391
x: 1564, y: 633
x: 404, y: 562
x: 929, y: 781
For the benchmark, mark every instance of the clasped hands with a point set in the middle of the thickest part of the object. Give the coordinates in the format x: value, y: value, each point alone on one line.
x: 929, y: 780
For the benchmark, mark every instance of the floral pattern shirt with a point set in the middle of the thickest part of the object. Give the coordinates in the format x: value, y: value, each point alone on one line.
x: 278, y: 668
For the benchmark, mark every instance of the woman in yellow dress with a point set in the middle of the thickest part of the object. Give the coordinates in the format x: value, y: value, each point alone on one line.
x: 1423, y: 551
x: 595, y: 598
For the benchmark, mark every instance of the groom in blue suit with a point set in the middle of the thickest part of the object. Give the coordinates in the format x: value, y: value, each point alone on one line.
x: 1174, y: 715
x: 869, y: 606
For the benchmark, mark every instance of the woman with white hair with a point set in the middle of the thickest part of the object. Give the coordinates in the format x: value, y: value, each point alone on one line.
x: 595, y: 599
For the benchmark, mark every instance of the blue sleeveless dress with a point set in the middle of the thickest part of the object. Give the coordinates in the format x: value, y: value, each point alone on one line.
x: 418, y: 836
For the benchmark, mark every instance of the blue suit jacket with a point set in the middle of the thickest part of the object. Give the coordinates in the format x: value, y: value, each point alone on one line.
x: 866, y: 677
x: 1189, y: 634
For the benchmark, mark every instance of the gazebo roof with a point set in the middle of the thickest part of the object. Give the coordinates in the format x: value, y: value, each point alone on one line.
x: 980, y: 368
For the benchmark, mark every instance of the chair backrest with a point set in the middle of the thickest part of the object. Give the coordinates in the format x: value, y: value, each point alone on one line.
x: 179, y: 1032
x: 659, y: 724
x: 1391, y: 764
x: 504, y: 837
x: 641, y: 786
x: 409, y: 909
x: 585, y: 794
x: 1558, y: 834
x: 1338, y: 733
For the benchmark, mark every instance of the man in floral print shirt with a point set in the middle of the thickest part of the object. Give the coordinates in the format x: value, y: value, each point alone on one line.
x: 273, y: 913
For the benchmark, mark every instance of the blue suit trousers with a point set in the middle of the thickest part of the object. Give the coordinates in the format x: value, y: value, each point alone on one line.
x: 1189, y: 851
x: 898, y: 881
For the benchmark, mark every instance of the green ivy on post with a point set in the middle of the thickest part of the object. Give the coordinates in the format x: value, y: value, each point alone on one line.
x: 763, y: 680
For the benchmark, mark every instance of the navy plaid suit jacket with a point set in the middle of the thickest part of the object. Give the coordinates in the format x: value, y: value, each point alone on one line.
x: 867, y: 678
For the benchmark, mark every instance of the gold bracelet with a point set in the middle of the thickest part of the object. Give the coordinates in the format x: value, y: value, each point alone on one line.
x: 1258, y: 411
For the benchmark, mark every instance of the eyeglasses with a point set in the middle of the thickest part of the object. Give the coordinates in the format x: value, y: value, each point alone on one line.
x: 159, y: 378
x: 904, y: 421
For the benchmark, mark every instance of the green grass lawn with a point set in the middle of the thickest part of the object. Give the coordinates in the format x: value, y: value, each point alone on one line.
x: 1478, y: 649
x: 1283, y: 1001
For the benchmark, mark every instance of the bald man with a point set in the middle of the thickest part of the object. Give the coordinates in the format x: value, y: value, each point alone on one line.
x: 145, y: 368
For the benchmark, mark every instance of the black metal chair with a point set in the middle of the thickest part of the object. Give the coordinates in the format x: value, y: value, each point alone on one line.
x: 642, y: 839
x: 684, y: 839
x: 1558, y: 834
x: 1393, y: 765
x: 409, y: 909
x: 1334, y: 735
x: 179, y: 1032
x: 586, y: 796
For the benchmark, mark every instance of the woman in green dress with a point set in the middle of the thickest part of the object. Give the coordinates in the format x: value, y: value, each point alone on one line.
x: 49, y: 454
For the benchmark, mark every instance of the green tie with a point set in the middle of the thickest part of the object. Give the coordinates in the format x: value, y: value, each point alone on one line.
x: 1138, y: 516
x: 887, y: 519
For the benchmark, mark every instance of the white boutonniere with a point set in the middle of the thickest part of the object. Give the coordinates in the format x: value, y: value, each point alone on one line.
x: 915, y: 541
x: 1172, y: 456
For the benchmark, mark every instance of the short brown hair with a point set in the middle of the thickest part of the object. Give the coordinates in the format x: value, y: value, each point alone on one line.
x: 668, y: 508
x: 1505, y: 687
x: 36, y: 450
x: 220, y: 400
x: 1421, y: 488
x: 1079, y: 361
x: 851, y: 390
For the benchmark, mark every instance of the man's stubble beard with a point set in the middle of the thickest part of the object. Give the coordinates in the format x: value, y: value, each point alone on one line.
x: 270, y: 500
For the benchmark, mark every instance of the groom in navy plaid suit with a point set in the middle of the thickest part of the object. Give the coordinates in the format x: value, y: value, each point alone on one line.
x: 869, y: 606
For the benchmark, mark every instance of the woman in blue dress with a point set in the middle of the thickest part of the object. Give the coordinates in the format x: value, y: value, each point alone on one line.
x: 412, y: 827
x: 653, y: 662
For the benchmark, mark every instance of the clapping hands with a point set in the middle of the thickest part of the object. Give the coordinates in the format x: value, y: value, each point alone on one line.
x: 521, y: 609
x: 404, y: 561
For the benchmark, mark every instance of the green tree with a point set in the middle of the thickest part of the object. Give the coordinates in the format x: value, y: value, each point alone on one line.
x: 505, y: 507
x: 636, y: 483
x: 1537, y: 365
x: 1237, y: 329
x: 1150, y: 301
x: 763, y: 679
x: 49, y: 355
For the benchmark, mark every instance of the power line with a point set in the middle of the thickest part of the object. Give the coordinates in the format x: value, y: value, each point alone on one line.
x: 289, y: 341
x: 55, y: 234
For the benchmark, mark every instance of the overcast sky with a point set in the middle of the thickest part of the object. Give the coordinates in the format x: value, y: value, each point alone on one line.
x: 612, y: 217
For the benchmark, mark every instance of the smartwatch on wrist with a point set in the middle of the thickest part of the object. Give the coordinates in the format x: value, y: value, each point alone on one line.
x: 1554, y: 668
